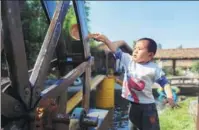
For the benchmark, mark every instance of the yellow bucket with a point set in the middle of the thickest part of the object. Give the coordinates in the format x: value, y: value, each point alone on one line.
x: 105, y: 93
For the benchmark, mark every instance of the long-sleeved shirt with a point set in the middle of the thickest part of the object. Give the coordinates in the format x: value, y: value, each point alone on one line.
x: 139, y: 79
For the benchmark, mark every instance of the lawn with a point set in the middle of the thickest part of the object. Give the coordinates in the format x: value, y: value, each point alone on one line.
x: 179, y: 118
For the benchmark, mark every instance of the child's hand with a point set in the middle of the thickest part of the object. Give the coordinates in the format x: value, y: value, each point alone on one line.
x: 99, y: 37
x: 171, y: 102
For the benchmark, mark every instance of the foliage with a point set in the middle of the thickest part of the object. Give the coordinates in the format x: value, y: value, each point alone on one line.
x: 179, y: 47
x: 195, y: 67
x: 69, y: 19
x: 169, y: 71
x: 35, y: 26
x: 159, y: 46
x: 134, y: 43
x: 93, y: 43
x: 179, y: 71
x: 177, y: 119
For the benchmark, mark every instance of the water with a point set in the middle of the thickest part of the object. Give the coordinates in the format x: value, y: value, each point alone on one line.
x: 120, y: 116
x: 120, y: 119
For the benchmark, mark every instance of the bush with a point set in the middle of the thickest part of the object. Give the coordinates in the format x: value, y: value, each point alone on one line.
x: 179, y: 71
x: 195, y: 67
x: 168, y: 71
x: 177, y: 119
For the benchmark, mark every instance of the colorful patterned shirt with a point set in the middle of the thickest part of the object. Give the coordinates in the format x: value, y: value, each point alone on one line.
x: 139, y: 78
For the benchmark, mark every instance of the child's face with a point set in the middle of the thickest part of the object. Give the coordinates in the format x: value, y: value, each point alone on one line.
x: 140, y: 52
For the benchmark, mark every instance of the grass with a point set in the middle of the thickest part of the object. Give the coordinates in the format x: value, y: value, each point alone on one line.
x: 177, y: 119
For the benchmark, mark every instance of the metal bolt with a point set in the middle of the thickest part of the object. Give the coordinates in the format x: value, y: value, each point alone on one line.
x: 17, y: 108
x: 27, y: 91
x: 14, y: 127
x: 61, y: 118
x: 37, y: 93
x: 53, y: 102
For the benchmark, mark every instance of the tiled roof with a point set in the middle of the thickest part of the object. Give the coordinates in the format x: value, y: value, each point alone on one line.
x: 184, y: 53
x: 179, y: 63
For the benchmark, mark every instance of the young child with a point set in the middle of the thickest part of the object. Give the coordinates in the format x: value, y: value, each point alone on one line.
x: 140, y: 74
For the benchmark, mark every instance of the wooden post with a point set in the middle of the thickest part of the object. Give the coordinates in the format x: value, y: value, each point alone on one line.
x: 106, y: 62
x: 2, y: 37
x: 61, y: 55
x: 42, y: 63
x: 15, y: 50
x: 83, y: 31
x: 174, y: 66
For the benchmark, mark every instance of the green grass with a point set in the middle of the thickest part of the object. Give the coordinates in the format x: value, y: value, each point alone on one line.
x: 177, y: 119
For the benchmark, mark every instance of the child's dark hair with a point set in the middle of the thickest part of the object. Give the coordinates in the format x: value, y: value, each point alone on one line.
x: 152, y: 46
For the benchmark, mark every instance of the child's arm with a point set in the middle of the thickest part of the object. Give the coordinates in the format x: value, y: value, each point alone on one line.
x: 111, y: 45
x: 163, y: 82
x: 168, y: 91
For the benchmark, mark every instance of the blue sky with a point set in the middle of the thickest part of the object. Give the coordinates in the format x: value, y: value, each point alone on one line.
x: 170, y: 23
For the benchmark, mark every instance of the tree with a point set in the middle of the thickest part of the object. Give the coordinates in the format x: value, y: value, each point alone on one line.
x: 195, y: 67
x: 35, y: 25
x: 70, y: 18
x: 180, y: 47
x: 159, y: 46
x: 134, y: 43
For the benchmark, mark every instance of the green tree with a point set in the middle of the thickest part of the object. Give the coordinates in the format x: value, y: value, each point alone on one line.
x: 35, y: 26
x: 134, y: 43
x: 87, y: 10
x: 159, y: 46
x: 195, y: 67
x: 71, y: 19
x: 180, y: 47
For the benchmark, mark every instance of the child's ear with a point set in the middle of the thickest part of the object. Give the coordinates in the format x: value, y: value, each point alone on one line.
x: 151, y: 54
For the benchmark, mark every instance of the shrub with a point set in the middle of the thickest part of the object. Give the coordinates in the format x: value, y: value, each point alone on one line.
x: 195, y: 67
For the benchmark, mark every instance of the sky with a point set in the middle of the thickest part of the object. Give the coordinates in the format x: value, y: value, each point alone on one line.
x: 170, y: 23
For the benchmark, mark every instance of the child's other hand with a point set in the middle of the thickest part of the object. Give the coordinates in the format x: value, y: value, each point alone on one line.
x: 171, y: 102
x: 99, y: 37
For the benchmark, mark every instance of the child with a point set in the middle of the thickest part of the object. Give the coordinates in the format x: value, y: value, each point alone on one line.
x: 140, y: 74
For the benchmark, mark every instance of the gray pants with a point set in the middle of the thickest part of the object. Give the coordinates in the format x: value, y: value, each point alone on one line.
x: 143, y: 117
